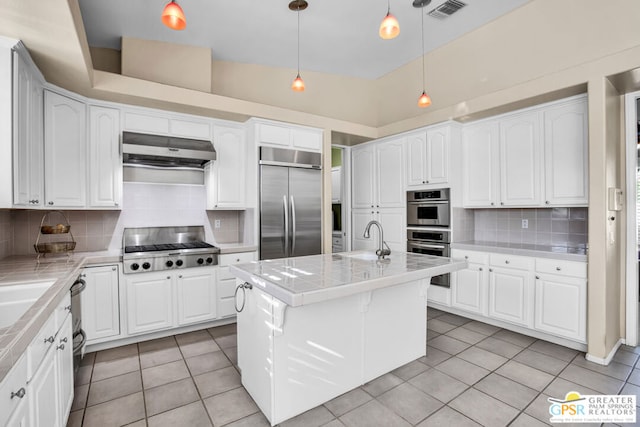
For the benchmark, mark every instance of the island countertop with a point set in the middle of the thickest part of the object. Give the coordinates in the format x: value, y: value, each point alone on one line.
x: 310, y: 279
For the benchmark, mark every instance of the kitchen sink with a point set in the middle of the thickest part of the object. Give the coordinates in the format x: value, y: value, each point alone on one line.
x: 16, y: 299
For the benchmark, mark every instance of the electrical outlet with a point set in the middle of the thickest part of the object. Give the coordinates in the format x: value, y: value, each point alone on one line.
x: 525, y: 223
x: 217, y: 223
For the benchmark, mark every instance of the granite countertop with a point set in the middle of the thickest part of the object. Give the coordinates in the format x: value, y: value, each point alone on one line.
x: 305, y: 280
x: 25, y: 270
x: 569, y: 253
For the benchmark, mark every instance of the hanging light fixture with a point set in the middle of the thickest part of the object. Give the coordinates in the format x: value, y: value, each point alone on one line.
x: 424, y: 100
x: 173, y: 16
x: 297, y: 6
x: 389, y: 27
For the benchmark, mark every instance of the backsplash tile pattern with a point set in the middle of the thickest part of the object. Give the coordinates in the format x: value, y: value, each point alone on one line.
x: 231, y: 226
x: 462, y: 224
x: 5, y: 233
x: 546, y: 226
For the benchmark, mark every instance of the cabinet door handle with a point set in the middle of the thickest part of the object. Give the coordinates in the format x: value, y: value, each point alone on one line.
x: 537, y: 277
x: 491, y: 270
x: 113, y: 268
x: 49, y: 340
x: 65, y: 339
x: 168, y: 277
x: 546, y: 202
x: 558, y: 269
x: 479, y: 268
x: 501, y: 203
x: 427, y: 181
x: 180, y: 276
x: 51, y: 203
x: 466, y: 257
x: 506, y: 261
x: 60, y: 347
x: 20, y: 393
x: 68, y: 308
x: 492, y: 203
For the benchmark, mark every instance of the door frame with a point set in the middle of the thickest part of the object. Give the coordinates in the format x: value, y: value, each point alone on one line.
x: 632, y: 306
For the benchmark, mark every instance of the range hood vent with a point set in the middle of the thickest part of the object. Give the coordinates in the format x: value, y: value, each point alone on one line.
x: 166, y: 151
x: 447, y: 9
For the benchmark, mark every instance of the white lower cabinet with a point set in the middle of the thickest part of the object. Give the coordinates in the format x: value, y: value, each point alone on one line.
x: 64, y: 362
x: 21, y: 416
x: 100, y: 303
x: 149, y: 302
x: 44, y: 397
x: 196, y: 296
x: 227, y: 282
x: 542, y: 294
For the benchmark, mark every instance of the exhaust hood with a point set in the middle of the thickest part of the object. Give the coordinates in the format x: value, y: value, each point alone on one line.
x: 140, y: 149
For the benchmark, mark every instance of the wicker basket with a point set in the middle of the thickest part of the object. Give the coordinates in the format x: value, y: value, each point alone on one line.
x: 54, y: 247
x: 55, y: 229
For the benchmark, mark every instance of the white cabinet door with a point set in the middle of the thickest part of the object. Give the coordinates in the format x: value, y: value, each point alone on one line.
x: 561, y: 306
x: 145, y: 123
x: 480, y: 160
x: 100, y: 303
x: 437, y: 159
x: 226, y: 178
x: 360, y: 219
x: 28, y: 101
x: 307, y: 140
x: 65, y: 151
x: 389, y: 184
x: 362, y: 171
x: 566, y: 154
x: 149, y: 302
x: 197, y: 300
x: 64, y: 362
x: 416, y: 159
x: 190, y: 128
x: 469, y: 289
x: 45, y: 398
x: 105, y: 162
x: 511, y: 295
x: 521, y: 160
x: 21, y: 415
x: 394, y: 224
x: 273, y: 134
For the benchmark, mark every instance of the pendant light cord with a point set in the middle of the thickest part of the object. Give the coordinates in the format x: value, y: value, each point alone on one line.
x: 422, y: 19
x: 298, y: 13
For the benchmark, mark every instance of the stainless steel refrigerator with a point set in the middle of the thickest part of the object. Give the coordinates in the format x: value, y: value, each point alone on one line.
x: 290, y: 203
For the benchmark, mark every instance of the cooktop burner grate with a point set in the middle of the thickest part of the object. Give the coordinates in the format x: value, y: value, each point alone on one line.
x: 167, y: 247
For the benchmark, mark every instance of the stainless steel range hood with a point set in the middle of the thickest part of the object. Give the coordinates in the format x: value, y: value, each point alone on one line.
x: 165, y: 151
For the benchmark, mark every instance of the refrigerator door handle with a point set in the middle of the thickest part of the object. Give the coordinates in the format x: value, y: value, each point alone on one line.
x: 285, y: 235
x: 293, y: 227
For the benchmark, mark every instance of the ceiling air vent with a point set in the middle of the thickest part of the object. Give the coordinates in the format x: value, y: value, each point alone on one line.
x: 447, y: 9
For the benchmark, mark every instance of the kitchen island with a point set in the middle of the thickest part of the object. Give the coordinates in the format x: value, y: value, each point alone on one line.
x: 312, y: 328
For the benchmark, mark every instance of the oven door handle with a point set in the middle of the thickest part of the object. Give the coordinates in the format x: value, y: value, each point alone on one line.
x: 428, y: 202
x: 427, y: 246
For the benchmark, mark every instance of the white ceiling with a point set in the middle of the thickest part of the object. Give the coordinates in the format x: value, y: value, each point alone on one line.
x: 336, y: 36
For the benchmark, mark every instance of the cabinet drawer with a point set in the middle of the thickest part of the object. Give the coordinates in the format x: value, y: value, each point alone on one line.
x: 40, y: 344
x: 471, y: 256
x: 226, y: 307
x: 237, y: 258
x: 562, y: 268
x: 226, y: 288
x: 511, y: 261
x: 15, y: 380
x: 63, y: 310
x: 337, y: 241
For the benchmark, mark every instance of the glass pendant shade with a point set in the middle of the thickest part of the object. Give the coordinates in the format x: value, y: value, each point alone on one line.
x: 424, y: 100
x: 173, y: 16
x: 298, y: 84
x: 389, y: 28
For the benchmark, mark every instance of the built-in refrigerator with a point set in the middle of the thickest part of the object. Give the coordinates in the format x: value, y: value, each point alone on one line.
x: 290, y: 203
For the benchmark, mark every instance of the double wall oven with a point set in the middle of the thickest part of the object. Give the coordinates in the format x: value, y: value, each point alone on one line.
x: 428, y: 221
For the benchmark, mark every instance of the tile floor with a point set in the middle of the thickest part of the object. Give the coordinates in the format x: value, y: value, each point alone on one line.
x: 474, y: 374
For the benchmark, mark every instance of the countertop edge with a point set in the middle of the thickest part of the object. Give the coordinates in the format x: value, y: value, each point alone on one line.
x: 518, y: 251
x: 233, y: 248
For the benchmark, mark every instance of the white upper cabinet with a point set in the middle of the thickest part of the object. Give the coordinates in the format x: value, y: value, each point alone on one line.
x: 284, y: 135
x: 362, y: 169
x: 28, y: 94
x: 105, y: 161
x: 520, y: 160
x: 533, y: 158
x: 428, y: 156
x: 377, y: 178
x: 480, y: 161
x: 65, y: 151
x: 155, y: 122
x: 226, y: 176
x: 566, y: 154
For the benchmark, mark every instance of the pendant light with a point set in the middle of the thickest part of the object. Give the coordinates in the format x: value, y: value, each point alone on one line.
x: 173, y: 16
x: 389, y: 27
x: 297, y: 6
x: 424, y: 100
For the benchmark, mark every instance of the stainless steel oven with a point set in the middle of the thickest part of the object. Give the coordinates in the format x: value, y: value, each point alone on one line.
x: 428, y: 207
x: 430, y: 242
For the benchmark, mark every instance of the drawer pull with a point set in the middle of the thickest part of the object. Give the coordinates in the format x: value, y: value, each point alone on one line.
x: 480, y: 269
x: 20, y: 393
x: 60, y: 347
x: 506, y: 261
x: 558, y: 269
x: 491, y: 270
x: 68, y: 308
x: 64, y: 339
x: 49, y: 340
x: 466, y: 257
x: 537, y: 277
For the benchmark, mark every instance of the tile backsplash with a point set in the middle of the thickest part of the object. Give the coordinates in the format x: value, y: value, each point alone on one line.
x: 546, y: 226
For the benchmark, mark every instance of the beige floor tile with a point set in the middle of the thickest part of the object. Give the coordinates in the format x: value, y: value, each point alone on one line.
x: 410, y: 403
x: 219, y: 381
x: 159, y: 357
x: 207, y: 362
x: 157, y: 344
x: 541, y: 361
x: 482, y: 358
x: 439, y: 385
x: 525, y: 375
x: 114, y: 387
x: 141, y: 423
x: 118, y: 412
x: 625, y: 357
x: 232, y: 354
x: 314, y: 417
x: 371, y: 414
x: 75, y: 418
x: 227, y: 341
x: 483, y: 328
x: 448, y: 417
x: 255, y: 420
x: 514, y: 338
x: 525, y: 420
x: 347, y: 402
x: 507, y: 391
x: 84, y: 375
x: 230, y: 406
x: 113, y: 368
x: 634, y: 378
x: 434, y: 356
x: 195, y: 336
x: 196, y: 348
x: 594, y: 380
x: 454, y: 319
x: 192, y: 415
x: 410, y: 370
x: 499, y: 347
x: 80, y: 394
x: 539, y: 409
x: 448, y: 344
x: 170, y: 396
x: 381, y: 384
x: 616, y: 370
x: 439, y: 326
x: 221, y: 331
x: 88, y: 359
x: 554, y: 350
x: 483, y: 408
x: 466, y: 335
x: 559, y: 387
x: 462, y: 370
x: 117, y: 353
x: 163, y: 374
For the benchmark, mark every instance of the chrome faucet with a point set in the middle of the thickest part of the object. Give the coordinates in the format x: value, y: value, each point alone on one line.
x: 381, y: 251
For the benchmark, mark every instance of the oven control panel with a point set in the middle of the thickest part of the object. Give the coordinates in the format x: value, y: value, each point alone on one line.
x: 169, y: 262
